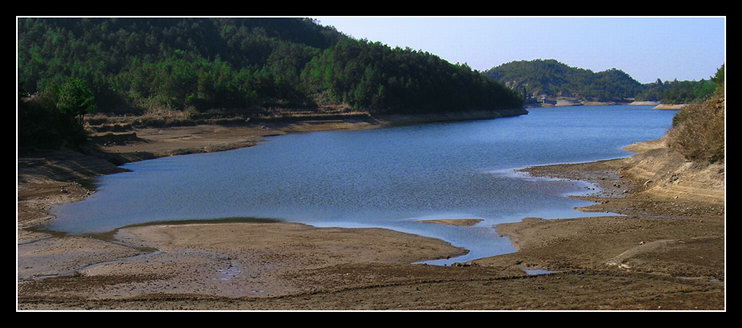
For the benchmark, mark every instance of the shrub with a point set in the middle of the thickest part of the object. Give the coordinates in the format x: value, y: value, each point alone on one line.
x: 698, y: 130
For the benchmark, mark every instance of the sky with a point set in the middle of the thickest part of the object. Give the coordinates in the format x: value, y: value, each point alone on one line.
x: 647, y: 48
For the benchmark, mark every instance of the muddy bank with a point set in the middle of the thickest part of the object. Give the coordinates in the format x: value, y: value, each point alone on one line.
x: 229, y: 259
x: 665, y: 253
x: 127, y: 139
x: 670, y: 228
x: 153, y: 142
x: 666, y: 174
x: 48, y: 178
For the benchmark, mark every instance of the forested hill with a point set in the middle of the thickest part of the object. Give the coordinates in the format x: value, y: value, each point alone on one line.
x: 554, y: 79
x: 549, y: 78
x: 250, y: 64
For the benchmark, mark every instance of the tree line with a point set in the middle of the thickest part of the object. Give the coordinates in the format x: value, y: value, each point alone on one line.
x: 555, y: 79
x: 552, y: 78
x: 241, y: 63
x: 373, y: 76
x: 136, y: 64
x: 678, y: 92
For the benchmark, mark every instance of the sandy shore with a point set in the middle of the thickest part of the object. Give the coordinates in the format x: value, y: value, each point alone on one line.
x: 672, y: 226
x: 233, y: 260
x: 669, y: 106
x: 667, y: 252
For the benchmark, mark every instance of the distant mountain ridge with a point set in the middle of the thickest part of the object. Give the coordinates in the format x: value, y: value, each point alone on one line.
x: 551, y: 79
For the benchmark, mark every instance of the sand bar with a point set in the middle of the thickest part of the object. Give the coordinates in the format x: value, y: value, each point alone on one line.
x: 454, y: 222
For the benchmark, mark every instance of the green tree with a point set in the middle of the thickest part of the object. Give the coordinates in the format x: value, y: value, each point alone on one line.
x: 718, y: 78
x: 74, y: 99
x: 134, y: 64
x: 552, y: 78
x: 42, y: 124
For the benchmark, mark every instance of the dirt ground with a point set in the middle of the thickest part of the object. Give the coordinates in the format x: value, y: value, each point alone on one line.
x: 666, y: 252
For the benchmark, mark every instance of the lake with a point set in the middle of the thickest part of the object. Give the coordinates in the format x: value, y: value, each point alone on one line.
x: 387, y: 178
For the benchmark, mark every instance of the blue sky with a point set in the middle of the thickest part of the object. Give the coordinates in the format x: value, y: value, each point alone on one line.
x: 647, y: 48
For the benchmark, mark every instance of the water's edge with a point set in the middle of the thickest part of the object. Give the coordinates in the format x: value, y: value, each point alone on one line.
x: 512, y: 172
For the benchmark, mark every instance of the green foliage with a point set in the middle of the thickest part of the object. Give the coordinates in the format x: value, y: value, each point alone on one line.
x: 173, y: 63
x: 42, y: 124
x: 550, y: 77
x: 718, y: 80
x: 373, y: 76
x: 72, y: 67
x: 75, y: 99
x: 248, y: 64
x: 677, y: 92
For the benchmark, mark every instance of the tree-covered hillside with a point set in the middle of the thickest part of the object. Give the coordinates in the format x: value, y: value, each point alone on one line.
x: 677, y: 92
x: 174, y: 63
x: 552, y: 78
x: 381, y: 79
x: 204, y: 63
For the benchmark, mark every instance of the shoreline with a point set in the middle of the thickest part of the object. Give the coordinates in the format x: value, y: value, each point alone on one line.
x: 48, y: 178
x: 669, y: 106
x: 628, y: 189
x: 575, y: 102
x: 149, y: 141
x: 454, y: 222
x: 541, y: 245
x: 568, y: 103
x: 63, y: 175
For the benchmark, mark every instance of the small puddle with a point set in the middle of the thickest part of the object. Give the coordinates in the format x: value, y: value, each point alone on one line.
x: 536, y: 272
x: 227, y: 274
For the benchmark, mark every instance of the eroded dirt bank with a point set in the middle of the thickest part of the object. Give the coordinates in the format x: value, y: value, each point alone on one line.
x: 673, y: 223
x: 665, y: 253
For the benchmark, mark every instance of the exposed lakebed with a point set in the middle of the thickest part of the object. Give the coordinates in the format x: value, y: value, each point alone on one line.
x: 387, y: 178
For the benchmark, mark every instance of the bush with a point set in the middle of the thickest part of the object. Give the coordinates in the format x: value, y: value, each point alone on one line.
x: 41, y: 125
x: 698, y: 130
x: 53, y: 117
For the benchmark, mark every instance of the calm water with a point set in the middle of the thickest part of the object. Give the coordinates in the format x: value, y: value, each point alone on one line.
x: 379, y: 178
